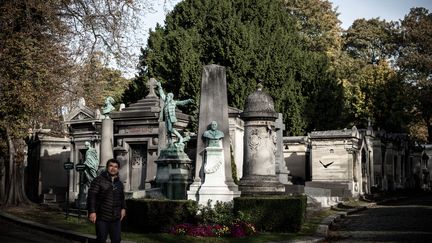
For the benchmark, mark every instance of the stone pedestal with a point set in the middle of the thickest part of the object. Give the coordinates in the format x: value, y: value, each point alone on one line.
x: 259, y: 167
x: 106, y: 143
x: 212, y: 189
x: 173, y: 174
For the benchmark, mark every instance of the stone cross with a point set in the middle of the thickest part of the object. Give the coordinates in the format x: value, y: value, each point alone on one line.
x: 151, y: 85
x: 281, y: 169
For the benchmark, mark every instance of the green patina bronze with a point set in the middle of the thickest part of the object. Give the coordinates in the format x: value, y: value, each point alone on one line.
x: 91, y: 164
x: 168, y: 115
x: 107, y: 107
x: 213, y: 136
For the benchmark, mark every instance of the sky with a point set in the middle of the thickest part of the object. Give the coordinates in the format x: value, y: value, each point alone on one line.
x: 349, y: 10
x: 395, y: 10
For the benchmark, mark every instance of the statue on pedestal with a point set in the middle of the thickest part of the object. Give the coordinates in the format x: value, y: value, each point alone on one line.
x: 168, y: 114
x: 214, y: 152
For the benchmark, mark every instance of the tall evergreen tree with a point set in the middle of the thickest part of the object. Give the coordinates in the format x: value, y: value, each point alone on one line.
x: 255, y: 40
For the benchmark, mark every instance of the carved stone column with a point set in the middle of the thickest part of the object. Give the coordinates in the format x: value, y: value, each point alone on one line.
x: 259, y: 168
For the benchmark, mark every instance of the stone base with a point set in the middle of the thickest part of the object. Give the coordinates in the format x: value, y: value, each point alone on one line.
x: 294, y: 189
x: 336, y: 188
x: 173, y: 174
x: 202, y: 193
x: 283, y: 177
x: 257, y: 185
x: 135, y: 194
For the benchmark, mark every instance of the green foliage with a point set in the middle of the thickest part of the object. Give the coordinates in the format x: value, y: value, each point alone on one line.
x: 148, y: 215
x: 373, y: 88
x: 96, y: 82
x: 415, y: 62
x: 280, y: 214
x: 254, y: 40
x: 371, y: 40
x: 221, y: 213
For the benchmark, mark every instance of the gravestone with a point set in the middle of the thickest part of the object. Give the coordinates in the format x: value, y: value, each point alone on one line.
x: 281, y: 169
x: 259, y: 168
x: 213, y: 107
x: 107, y: 141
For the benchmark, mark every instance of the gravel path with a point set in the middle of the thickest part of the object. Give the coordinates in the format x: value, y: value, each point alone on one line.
x: 408, y: 220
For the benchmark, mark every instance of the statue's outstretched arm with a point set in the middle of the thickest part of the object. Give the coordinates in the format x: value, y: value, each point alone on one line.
x: 184, y: 102
x: 161, y: 92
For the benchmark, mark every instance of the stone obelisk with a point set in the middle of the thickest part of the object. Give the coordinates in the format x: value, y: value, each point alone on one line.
x: 213, y: 107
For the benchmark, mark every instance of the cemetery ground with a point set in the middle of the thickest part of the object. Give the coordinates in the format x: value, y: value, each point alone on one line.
x: 398, y: 217
x: 54, y: 216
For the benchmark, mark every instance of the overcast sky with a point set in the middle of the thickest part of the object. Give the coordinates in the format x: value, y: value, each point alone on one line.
x: 349, y: 10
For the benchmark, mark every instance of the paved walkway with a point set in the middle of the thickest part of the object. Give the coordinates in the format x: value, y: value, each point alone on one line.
x: 408, y: 220
x: 12, y: 232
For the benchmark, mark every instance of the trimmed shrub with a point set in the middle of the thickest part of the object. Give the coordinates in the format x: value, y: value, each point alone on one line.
x: 277, y: 214
x: 220, y: 213
x: 150, y: 215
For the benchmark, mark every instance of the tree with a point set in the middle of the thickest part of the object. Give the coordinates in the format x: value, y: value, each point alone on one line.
x: 415, y: 61
x: 37, y: 41
x: 96, y: 82
x: 373, y: 88
x: 30, y: 77
x: 255, y: 40
x: 371, y: 40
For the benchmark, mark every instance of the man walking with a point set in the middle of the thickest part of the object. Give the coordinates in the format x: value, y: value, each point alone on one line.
x: 106, y: 203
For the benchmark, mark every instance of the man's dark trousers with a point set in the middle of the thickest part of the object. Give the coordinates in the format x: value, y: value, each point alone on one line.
x: 103, y: 228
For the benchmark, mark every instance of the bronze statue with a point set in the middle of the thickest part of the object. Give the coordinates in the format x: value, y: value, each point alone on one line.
x: 168, y: 113
x: 213, y: 135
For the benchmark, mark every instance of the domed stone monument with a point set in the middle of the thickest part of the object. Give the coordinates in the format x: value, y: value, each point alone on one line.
x: 259, y: 168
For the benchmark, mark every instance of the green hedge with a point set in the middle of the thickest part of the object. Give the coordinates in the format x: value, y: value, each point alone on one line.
x: 149, y: 215
x: 278, y: 214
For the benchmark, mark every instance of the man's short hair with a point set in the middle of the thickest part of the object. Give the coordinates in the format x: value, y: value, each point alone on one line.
x: 113, y: 161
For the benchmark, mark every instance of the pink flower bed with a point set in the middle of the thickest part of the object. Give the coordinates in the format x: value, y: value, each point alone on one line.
x: 237, y: 229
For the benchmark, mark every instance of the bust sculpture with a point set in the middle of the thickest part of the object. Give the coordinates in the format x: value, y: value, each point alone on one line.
x: 213, y: 136
x: 108, y: 107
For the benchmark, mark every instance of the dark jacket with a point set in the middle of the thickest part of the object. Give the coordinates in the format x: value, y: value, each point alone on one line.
x: 106, y: 197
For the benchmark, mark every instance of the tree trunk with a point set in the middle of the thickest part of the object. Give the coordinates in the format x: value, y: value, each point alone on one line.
x: 429, y: 128
x: 2, y: 179
x: 15, y: 192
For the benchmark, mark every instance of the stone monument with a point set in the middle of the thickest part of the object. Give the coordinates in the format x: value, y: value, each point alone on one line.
x: 107, y: 144
x: 173, y: 174
x: 84, y: 125
x: 213, y: 176
x: 259, y: 168
x: 282, y: 171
